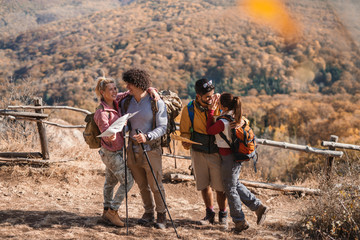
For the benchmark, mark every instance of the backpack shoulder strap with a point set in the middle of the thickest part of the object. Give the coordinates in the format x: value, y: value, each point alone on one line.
x: 99, y: 107
x: 190, y: 108
x: 127, y: 103
x: 102, y: 107
x: 90, y: 117
x: 222, y: 135
x: 155, y: 109
x: 226, y: 117
x: 245, y: 135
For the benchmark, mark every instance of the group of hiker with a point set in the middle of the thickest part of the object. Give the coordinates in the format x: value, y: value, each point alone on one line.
x: 214, y: 163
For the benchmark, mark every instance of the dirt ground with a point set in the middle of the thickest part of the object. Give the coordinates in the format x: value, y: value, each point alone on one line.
x: 64, y: 201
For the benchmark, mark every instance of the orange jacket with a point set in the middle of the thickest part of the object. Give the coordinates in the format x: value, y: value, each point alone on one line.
x: 199, y: 121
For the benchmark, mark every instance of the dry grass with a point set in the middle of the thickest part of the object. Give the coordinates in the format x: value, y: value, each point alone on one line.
x: 336, y: 214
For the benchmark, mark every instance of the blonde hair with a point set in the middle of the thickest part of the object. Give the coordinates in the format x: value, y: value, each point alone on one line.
x: 101, y: 85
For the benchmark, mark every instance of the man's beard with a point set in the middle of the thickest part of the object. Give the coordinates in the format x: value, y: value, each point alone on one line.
x: 205, y: 102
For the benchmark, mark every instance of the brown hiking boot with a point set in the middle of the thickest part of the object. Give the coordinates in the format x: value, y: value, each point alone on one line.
x: 146, y: 219
x: 261, y: 214
x: 161, y: 220
x: 113, y: 217
x: 103, y: 215
x: 223, y: 219
x: 209, y: 218
x: 241, y: 226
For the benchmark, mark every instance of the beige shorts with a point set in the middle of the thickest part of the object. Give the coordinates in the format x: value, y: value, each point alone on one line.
x: 207, y: 170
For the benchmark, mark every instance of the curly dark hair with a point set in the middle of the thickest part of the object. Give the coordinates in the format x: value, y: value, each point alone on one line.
x: 138, y: 77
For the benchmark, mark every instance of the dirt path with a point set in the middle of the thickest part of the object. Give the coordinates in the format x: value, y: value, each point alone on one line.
x: 65, y: 202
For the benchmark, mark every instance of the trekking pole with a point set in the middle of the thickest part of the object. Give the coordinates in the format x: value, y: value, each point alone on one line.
x: 138, y: 131
x: 126, y: 191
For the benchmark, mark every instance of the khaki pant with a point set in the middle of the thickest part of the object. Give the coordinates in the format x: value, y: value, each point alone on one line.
x: 207, y: 170
x: 143, y: 177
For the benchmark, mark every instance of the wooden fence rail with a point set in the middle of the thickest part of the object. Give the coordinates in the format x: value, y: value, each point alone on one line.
x: 303, y: 148
x: 340, y: 145
x: 51, y: 107
x: 272, y: 143
x: 40, y: 117
x: 23, y: 114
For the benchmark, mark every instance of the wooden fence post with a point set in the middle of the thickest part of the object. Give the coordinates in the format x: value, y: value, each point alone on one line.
x: 330, y: 159
x: 42, y: 131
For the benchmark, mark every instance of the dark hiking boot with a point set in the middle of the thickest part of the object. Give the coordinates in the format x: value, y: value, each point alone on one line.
x: 209, y: 218
x: 261, y: 214
x: 161, y: 220
x: 223, y: 219
x: 103, y: 215
x: 146, y: 219
x: 241, y: 226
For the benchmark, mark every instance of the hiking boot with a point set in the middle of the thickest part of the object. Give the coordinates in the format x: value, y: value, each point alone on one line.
x: 146, y: 219
x: 161, y: 220
x: 261, y: 214
x: 113, y: 217
x: 241, y: 226
x: 103, y: 215
x: 209, y: 218
x: 223, y: 219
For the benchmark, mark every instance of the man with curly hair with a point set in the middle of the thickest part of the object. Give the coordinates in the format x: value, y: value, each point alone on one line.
x: 137, y: 82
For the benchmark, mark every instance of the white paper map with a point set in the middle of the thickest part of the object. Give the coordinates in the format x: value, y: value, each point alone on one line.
x: 117, y: 126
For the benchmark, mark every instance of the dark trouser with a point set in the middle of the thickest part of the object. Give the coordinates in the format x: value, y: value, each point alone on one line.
x: 235, y: 191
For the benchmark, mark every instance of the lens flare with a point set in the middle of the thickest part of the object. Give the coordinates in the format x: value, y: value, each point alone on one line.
x: 273, y: 13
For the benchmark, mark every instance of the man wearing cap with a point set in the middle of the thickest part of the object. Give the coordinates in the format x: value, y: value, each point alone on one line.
x: 205, y: 158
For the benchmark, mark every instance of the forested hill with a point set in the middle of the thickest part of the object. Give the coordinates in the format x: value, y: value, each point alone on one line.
x: 179, y: 42
x: 20, y: 15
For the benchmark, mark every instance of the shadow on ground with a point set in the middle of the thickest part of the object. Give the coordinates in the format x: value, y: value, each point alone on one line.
x: 47, y: 219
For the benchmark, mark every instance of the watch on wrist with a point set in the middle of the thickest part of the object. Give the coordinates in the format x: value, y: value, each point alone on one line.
x: 147, y: 137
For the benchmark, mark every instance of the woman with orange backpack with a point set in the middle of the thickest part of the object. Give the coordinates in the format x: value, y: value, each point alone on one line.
x: 236, y: 192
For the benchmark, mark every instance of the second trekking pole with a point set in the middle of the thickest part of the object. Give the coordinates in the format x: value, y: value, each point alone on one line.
x: 138, y: 131
x: 126, y: 183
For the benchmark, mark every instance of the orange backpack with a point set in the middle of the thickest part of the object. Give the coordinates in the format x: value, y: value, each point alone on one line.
x: 243, y: 143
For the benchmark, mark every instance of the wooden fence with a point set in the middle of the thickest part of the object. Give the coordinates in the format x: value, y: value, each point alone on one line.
x: 39, y: 117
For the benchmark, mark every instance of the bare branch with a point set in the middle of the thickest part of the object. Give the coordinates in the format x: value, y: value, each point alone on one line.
x: 51, y: 107
x: 279, y: 187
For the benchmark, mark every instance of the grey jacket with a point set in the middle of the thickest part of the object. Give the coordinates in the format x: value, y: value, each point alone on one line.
x: 143, y: 119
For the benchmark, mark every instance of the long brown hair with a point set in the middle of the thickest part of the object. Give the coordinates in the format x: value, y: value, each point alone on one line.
x: 232, y: 103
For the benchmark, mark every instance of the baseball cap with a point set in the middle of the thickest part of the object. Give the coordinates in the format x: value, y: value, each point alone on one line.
x: 203, y: 86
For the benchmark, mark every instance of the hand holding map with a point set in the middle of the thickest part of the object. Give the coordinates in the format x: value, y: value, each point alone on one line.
x: 117, y: 126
